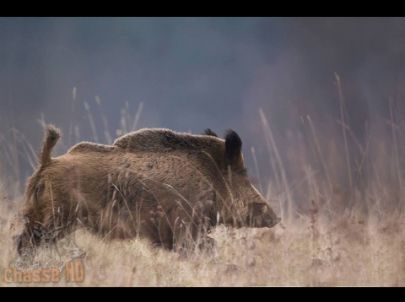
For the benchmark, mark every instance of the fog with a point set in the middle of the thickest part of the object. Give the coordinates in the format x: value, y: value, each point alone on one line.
x: 194, y: 73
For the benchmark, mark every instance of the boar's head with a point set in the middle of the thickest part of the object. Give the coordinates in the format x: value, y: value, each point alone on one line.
x: 248, y: 206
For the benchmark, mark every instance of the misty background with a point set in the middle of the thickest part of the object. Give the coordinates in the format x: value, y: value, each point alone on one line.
x: 195, y: 73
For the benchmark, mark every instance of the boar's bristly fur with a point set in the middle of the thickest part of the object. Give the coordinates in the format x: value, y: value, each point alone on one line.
x: 168, y: 187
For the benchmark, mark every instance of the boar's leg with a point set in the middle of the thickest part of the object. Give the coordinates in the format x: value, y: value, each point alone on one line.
x: 190, y: 234
x: 175, y: 231
x: 189, y: 238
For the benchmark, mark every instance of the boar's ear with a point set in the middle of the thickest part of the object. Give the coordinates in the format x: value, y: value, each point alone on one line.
x: 52, y: 134
x: 233, y: 147
x: 209, y: 132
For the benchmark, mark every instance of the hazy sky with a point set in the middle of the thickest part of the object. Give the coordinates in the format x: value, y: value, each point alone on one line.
x: 194, y: 73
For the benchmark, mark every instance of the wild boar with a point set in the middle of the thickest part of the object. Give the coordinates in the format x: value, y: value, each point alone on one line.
x: 169, y: 187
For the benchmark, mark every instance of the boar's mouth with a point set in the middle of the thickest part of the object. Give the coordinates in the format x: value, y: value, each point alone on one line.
x: 263, y: 222
x: 274, y: 222
x: 260, y: 215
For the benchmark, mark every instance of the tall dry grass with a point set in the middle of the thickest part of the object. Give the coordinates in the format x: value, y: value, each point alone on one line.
x: 340, y: 198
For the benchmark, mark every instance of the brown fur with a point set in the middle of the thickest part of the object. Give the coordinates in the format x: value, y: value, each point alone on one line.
x: 154, y: 183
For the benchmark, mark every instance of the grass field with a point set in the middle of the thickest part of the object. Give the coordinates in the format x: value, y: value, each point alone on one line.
x: 308, y: 253
x: 334, y: 233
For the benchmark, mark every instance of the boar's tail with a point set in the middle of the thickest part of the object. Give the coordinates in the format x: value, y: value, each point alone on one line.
x: 52, y: 134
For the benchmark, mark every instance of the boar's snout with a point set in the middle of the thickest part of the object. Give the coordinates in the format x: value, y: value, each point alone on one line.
x: 269, y: 221
x: 260, y: 215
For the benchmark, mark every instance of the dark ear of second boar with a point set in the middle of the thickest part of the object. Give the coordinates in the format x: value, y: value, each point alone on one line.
x: 233, y: 148
x: 209, y: 132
